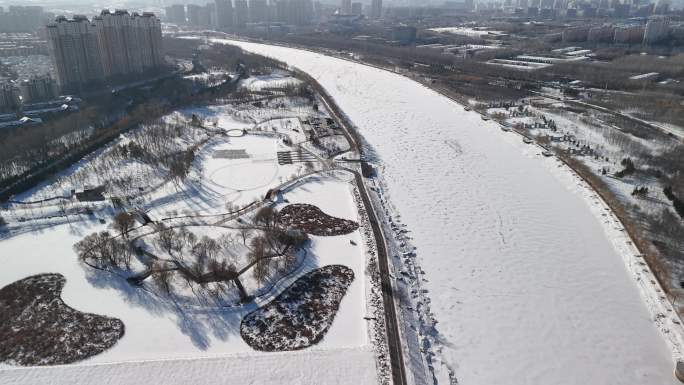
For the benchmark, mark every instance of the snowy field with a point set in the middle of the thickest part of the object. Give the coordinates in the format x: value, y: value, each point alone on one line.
x: 525, y: 276
x: 156, y: 329
x: 172, y: 341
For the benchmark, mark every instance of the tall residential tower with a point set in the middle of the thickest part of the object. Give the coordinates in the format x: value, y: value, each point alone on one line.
x: 113, y: 45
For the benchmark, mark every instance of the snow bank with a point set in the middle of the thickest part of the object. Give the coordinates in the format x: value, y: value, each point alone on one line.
x: 330, y: 367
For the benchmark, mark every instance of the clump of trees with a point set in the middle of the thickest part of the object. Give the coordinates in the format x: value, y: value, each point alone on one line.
x: 104, y: 251
x: 677, y: 202
x: 203, y: 261
x: 628, y: 169
x: 273, y: 242
x: 640, y: 191
x: 123, y: 222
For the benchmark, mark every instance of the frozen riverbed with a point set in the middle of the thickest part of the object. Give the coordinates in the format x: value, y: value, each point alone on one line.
x: 525, y: 283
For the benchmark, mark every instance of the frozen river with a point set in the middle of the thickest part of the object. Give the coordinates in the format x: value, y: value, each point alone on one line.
x: 525, y: 283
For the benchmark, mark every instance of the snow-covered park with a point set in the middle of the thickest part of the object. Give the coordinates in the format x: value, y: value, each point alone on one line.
x: 194, y: 332
x: 522, y: 270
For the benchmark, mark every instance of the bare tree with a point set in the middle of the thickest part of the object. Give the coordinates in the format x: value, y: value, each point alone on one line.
x: 163, y: 279
x: 266, y: 216
x: 123, y: 222
x: 258, y: 255
x: 245, y: 232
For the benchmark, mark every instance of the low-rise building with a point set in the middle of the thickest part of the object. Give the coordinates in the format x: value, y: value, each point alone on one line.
x: 601, y: 34
x: 574, y: 34
x: 628, y: 34
x: 9, y: 98
x: 37, y: 89
x: 657, y: 29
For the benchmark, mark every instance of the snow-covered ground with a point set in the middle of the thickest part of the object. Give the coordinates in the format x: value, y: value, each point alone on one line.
x: 258, y: 83
x: 157, y: 329
x: 525, y: 276
x: 176, y: 342
x: 307, y: 367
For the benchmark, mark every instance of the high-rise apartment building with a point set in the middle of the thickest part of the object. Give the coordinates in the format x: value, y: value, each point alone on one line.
x: 356, y: 8
x: 193, y: 12
x: 224, y: 13
x: 628, y: 34
x: 345, y: 7
x: 8, y: 97
x: 300, y: 12
x: 207, y: 16
x: 258, y: 11
x: 75, y: 52
x: 294, y: 12
x: 113, y: 45
x: 241, y: 13
x: 376, y: 9
x: 175, y: 13
x: 37, y: 89
x: 657, y: 29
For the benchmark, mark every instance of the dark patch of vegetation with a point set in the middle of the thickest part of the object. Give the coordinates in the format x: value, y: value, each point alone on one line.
x: 301, y: 315
x: 312, y: 220
x: 676, y: 201
x: 628, y: 169
x: 640, y: 191
x: 38, y: 328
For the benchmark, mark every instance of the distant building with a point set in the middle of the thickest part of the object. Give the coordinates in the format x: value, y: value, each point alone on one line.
x: 376, y: 9
x: 75, y: 52
x: 9, y: 99
x: 241, y: 13
x: 113, y: 45
x: 547, y: 13
x: 207, y: 16
x: 295, y: 12
x: 128, y: 43
x: 22, y: 19
x: 628, y: 34
x: 677, y: 32
x: 356, y: 8
x: 601, y: 34
x: 175, y: 13
x: 575, y: 34
x: 193, y: 13
x: 38, y: 89
x: 657, y: 29
x: 547, y: 4
x: 22, y: 44
x: 258, y: 11
x: 345, y: 7
x: 224, y: 13
x: 589, y: 12
x: 621, y: 11
x: 662, y: 7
